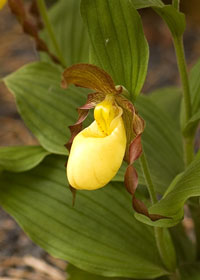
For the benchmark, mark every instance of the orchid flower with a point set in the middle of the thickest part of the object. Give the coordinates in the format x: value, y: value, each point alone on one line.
x: 96, y: 152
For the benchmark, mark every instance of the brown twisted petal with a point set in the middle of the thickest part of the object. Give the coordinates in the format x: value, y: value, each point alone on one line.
x: 141, y: 208
x: 135, y: 149
x: 77, y: 127
x: 138, y: 124
x: 131, y: 179
x: 131, y: 182
x: 89, y: 76
x: 92, y: 101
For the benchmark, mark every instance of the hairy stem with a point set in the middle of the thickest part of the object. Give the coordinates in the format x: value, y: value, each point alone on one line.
x: 147, y: 175
x: 189, y: 139
x: 164, y: 242
x: 178, y: 44
x: 161, y: 241
x: 43, y: 12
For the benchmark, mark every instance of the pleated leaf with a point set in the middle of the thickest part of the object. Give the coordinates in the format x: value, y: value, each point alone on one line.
x: 169, y: 100
x: 69, y: 31
x: 140, y: 4
x: 162, y: 144
x: 195, y: 98
x: 186, y: 185
x: 174, y: 19
x: 48, y: 110
x: 99, y: 234
x: 192, y: 124
x: 117, y: 41
x: 185, y: 248
x: 195, y: 87
x: 21, y: 158
x: 75, y: 273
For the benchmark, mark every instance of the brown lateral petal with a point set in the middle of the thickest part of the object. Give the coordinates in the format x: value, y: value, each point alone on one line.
x: 128, y: 115
x: 140, y: 207
x: 131, y: 179
x: 138, y: 124
x: 155, y: 217
x: 77, y: 127
x: 125, y: 104
x: 92, y: 100
x: 135, y: 149
x: 89, y: 76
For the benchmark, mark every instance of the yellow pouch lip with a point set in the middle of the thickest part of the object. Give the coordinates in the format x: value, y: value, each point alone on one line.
x: 94, y: 161
x: 106, y: 115
x: 93, y: 130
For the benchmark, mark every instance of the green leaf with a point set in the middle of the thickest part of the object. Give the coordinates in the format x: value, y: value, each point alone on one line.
x: 185, y: 248
x: 173, y: 18
x: 21, y: 158
x: 46, y: 109
x: 161, y: 139
x: 162, y: 144
x: 69, y: 31
x: 169, y: 100
x: 171, y: 205
x: 195, y: 87
x: 140, y: 4
x: 78, y: 274
x: 118, y: 44
x: 192, y: 124
x: 99, y: 234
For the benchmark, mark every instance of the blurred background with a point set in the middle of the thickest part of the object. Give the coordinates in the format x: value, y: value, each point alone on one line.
x: 19, y: 257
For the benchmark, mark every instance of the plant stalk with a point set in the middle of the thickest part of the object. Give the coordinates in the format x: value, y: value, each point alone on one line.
x: 189, y: 139
x: 162, y: 245
x: 43, y: 11
x: 147, y: 175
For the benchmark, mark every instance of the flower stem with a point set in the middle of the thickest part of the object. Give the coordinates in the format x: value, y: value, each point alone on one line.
x: 164, y: 242
x: 147, y: 175
x: 43, y: 12
x: 160, y: 235
x: 178, y: 44
x: 189, y: 139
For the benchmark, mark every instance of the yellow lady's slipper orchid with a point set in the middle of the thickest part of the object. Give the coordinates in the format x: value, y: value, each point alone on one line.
x: 96, y: 153
x: 98, y: 150
x: 2, y: 3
